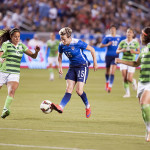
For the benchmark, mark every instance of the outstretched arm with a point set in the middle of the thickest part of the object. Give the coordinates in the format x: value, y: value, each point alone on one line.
x: 92, y: 50
x: 105, y: 45
x: 33, y: 55
x: 130, y: 63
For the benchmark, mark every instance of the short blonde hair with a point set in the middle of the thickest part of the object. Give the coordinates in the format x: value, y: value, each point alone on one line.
x: 65, y: 31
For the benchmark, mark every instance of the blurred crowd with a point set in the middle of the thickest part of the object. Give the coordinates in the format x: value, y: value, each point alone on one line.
x: 83, y: 16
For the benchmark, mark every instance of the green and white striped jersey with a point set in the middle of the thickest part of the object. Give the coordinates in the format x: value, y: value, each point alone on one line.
x: 53, y: 45
x: 145, y: 64
x: 13, y: 55
x: 134, y: 44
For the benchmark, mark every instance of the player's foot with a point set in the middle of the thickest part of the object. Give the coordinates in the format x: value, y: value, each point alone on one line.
x: 5, y: 113
x: 148, y: 136
x: 109, y: 89
x: 57, y: 108
x: 106, y: 85
x: 134, y: 85
x: 88, y: 112
x: 126, y: 95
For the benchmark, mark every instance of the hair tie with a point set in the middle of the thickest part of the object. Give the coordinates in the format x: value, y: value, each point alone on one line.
x: 144, y: 33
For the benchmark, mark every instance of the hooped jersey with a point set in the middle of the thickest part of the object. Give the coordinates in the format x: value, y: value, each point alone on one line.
x: 133, y: 45
x: 111, y: 49
x: 145, y: 64
x: 13, y: 55
x: 74, y: 51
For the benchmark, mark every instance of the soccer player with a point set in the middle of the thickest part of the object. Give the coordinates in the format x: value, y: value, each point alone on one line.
x: 78, y: 68
x: 53, y: 55
x: 143, y: 91
x: 11, y: 52
x: 130, y: 47
x: 110, y: 41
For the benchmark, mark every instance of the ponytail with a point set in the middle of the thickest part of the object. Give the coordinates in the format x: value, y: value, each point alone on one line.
x: 4, y: 36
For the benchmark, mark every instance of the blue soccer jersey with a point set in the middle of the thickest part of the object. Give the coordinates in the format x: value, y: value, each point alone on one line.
x: 74, y: 52
x: 111, y: 50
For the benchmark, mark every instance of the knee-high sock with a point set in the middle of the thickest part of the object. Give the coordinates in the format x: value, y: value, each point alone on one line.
x: 85, y: 100
x: 107, y: 78
x: 65, y: 100
x: 111, y: 80
x: 146, y: 115
x: 8, y: 102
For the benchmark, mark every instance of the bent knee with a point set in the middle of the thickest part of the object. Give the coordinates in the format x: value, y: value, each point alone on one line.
x: 79, y: 92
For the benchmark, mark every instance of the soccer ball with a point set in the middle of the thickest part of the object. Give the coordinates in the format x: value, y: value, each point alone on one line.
x: 46, y: 106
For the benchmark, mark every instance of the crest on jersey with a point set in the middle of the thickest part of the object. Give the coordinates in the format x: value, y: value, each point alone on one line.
x: 72, y: 47
x: 20, y: 47
x: 17, y: 52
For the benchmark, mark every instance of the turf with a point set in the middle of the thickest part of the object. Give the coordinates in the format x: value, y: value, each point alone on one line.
x: 116, y: 123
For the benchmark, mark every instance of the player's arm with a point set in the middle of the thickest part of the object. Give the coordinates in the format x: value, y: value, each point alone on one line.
x: 33, y: 55
x: 60, y: 63
x: 105, y: 45
x: 92, y: 50
x: 1, y: 59
x: 119, y: 50
x: 129, y: 63
x: 135, y: 52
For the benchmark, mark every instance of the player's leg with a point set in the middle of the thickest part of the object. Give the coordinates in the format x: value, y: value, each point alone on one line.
x: 130, y: 78
x: 11, y: 86
x: 145, y: 107
x: 111, y: 76
x: 107, y: 61
x: 50, y: 68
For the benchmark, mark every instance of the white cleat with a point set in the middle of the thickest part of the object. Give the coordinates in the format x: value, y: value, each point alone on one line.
x: 126, y: 96
x: 134, y: 85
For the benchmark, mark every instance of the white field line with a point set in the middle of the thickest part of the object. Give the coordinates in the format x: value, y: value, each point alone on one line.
x: 75, y: 132
x: 46, y: 147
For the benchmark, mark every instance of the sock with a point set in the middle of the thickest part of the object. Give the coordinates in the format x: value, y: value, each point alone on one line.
x: 85, y: 100
x: 50, y: 70
x: 111, y: 80
x: 65, y: 100
x: 146, y: 115
x: 8, y: 102
x: 126, y: 87
x: 107, y: 78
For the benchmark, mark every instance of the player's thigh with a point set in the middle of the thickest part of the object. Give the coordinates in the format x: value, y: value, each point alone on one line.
x: 130, y: 76
x: 113, y: 68
x: 70, y: 84
x: 145, y: 98
x: 108, y: 61
x: 12, y: 87
x: 79, y: 87
x: 124, y: 74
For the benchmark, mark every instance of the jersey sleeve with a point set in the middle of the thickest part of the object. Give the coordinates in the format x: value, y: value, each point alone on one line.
x: 60, y: 49
x: 3, y: 47
x: 120, y: 44
x: 82, y: 44
x: 25, y: 48
x: 48, y: 43
x: 137, y: 45
x: 105, y: 40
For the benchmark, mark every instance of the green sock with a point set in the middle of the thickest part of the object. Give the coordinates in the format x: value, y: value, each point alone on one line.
x: 50, y: 70
x: 8, y: 102
x: 146, y: 114
x: 126, y: 85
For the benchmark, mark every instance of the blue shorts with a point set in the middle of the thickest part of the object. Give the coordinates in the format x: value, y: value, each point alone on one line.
x: 77, y: 74
x: 110, y: 60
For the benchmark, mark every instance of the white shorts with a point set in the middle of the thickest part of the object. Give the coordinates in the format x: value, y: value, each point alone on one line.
x: 126, y: 67
x: 7, y: 77
x: 142, y: 87
x: 53, y: 60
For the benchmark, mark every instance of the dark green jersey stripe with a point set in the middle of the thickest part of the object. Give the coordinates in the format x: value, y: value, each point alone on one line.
x: 14, y: 51
x: 15, y: 71
x: 13, y: 60
x: 145, y: 62
x: 15, y: 56
x: 12, y: 65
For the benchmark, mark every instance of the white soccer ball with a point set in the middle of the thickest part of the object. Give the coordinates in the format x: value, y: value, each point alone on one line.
x: 46, y: 106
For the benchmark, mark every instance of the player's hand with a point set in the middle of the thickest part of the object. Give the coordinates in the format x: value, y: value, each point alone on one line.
x: 60, y: 71
x: 132, y: 51
x: 117, y: 60
x: 124, y: 50
x: 37, y: 48
x: 2, y: 60
x: 95, y: 66
x: 109, y: 43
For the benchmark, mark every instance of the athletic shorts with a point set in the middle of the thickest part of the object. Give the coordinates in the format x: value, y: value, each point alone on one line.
x: 142, y: 87
x: 77, y: 74
x: 110, y: 60
x: 7, y: 77
x: 53, y: 60
x: 128, y: 68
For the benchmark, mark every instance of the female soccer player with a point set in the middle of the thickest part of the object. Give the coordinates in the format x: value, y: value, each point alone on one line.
x: 130, y: 47
x: 111, y: 41
x: 53, y: 55
x: 78, y: 68
x: 10, y: 56
x: 143, y: 91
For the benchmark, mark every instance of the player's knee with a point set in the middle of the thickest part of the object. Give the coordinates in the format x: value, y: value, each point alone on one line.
x: 129, y: 79
x: 79, y: 92
x: 69, y: 89
x: 12, y: 92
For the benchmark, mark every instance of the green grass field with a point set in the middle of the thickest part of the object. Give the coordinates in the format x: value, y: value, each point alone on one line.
x: 115, y: 124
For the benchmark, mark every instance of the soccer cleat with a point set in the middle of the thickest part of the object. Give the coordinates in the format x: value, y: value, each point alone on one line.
x: 5, y: 113
x: 109, y: 89
x: 148, y: 136
x: 106, y: 85
x: 57, y: 108
x: 88, y: 112
x: 126, y: 95
x: 134, y: 85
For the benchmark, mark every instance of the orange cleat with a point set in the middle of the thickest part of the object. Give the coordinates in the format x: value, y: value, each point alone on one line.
x: 57, y: 108
x: 88, y: 112
x: 106, y: 86
x: 109, y: 89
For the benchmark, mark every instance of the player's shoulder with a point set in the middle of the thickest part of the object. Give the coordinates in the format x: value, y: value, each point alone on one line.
x: 7, y: 42
x: 74, y: 41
